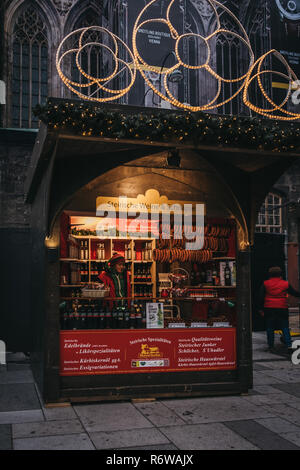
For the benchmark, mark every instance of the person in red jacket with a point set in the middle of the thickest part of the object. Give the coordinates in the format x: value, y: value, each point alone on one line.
x: 274, y: 306
x: 117, y: 278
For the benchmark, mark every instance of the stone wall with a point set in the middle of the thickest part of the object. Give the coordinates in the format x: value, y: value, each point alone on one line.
x: 15, y: 153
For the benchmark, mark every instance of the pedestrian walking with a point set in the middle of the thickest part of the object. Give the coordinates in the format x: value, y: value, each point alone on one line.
x: 274, y: 306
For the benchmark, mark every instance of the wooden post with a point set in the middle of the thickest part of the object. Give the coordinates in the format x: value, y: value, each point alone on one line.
x: 244, y: 327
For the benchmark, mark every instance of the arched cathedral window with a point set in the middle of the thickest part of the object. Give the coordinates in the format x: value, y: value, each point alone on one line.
x: 232, y: 61
x: 29, y: 67
x: 91, y: 58
x: 260, y: 38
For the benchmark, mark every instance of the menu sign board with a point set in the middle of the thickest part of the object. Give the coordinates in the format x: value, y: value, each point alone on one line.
x: 88, y: 352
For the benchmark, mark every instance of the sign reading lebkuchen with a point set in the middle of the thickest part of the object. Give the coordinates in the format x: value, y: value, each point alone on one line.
x: 87, y: 352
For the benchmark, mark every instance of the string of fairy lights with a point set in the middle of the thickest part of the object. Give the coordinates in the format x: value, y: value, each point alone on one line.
x: 103, y: 89
x: 175, y: 128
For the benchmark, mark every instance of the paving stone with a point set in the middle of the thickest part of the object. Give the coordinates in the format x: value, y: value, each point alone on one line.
x: 11, y: 366
x: 277, y: 365
x: 47, y: 428
x: 295, y: 404
x: 261, y: 355
x: 271, y: 398
x: 260, y: 366
x: 291, y: 388
x: 15, y: 397
x: 156, y: 447
x: 57, y: 413
x: 111, y: 417
x: 278, y: 425
x: 5, y: 437
x: 10, y: 417
x: 209, y: 410
x: 261, y: 378
x: 67, y: 442
x: 213, y: 436
x: 268, y: 389
x: 260, y: 436
x: 128, y: 438
x: 16, y: 377
x: 290, y: 376
x: 17, y: 357
x: 159, y: 414
x: 293, y: 437
x: 287, y: 412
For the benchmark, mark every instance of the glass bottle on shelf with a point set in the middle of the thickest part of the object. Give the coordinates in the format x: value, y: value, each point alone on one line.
x: 64, y: 316
x: 86, y: 250
x: 134, y: 252
x: 132, y: 316
x: 215, y: 276
x: 120, y: 323
x: 76, y: 319
x: 143, y: 273
x: 89, y: 316
x: 101, y: 319
x: 115, y: 316
x: 209, y: 276
x: 150, y: 251
x: 129, y: 251
x: 138, y: 317
x: 126, y: 317
x: 233, y: 277
x: 149, y: 273
x: 82, y: 312
x: 202, y: 275
x: 227, y: 274
x: 81, y: 250
x: 108, y: 318
x: 99, y: 251
x: 144, y: 316
x: 71, y: 317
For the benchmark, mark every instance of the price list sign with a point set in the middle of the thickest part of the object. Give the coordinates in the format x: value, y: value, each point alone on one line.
x: 137, y: 351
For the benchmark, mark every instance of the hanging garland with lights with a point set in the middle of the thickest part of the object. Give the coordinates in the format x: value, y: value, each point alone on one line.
x: 195, y: 128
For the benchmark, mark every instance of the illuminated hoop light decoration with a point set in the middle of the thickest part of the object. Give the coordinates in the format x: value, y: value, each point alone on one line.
x: 137, y: 62
x: 290, y: 77
x: 141, y: 64
x: 73, y: 86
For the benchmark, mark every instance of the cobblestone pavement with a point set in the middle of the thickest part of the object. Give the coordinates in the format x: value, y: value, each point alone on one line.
x: 267, y: 418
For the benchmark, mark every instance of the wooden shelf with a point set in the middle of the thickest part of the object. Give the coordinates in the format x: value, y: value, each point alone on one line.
x: 121, y: 239
x: 72, y: 260
x: 154, y: 299
x: 70, y: 286
x: 208, y: 287
x: 109, y: 247
x: 143, y: 283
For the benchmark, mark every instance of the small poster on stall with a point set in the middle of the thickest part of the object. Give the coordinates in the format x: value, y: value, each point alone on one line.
x: 155, y: 315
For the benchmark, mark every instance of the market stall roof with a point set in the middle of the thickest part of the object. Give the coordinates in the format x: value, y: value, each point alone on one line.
x: 84, y: 140
x: 57, y: 138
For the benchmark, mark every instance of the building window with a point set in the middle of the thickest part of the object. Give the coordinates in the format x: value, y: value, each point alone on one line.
x: 270, y: 215
x: 91, y: 57
x: 30, y: 67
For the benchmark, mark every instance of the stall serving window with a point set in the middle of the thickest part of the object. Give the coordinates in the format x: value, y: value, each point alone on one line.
x: 143, y: 303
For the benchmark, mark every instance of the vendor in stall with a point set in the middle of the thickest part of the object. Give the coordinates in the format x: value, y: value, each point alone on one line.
x: 116, y: 277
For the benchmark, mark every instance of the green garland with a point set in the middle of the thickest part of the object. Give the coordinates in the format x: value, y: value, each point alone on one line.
x: 196, y: 128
